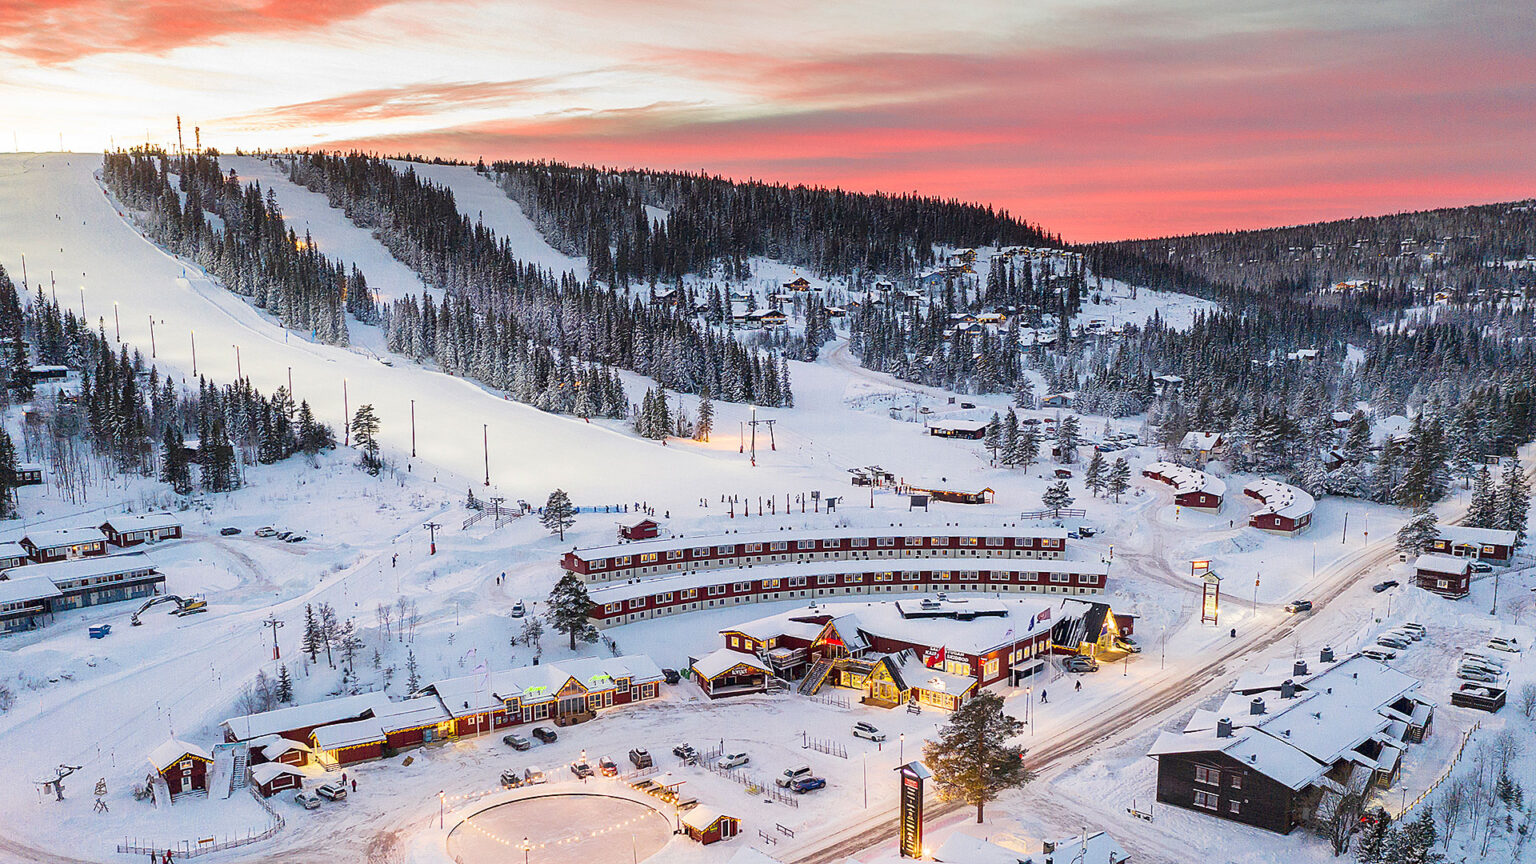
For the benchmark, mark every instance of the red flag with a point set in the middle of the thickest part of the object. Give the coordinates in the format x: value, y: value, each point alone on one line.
x: 934, y: 658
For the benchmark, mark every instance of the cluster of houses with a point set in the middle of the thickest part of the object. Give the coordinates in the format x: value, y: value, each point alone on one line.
x: 1192, y: 487
x: 267, y: 749
x: 1447, y: 562
x: 1291, y: 738
x: 68, y: 568
x: 935, y: 650
x: 653, y: 579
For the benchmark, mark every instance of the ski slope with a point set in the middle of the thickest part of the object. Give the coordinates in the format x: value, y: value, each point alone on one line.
x: 56, y: 215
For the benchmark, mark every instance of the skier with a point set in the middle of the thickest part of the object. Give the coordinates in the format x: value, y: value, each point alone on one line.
x: 394, y: 559
x: 1043, y: 700
x: 1079, y: 687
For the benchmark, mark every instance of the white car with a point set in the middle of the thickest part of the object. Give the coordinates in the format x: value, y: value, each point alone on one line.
x: 1381, y: 655
x: 1404, y: 631
x: 1481, y: 676
x: 1500, y: 643
x: 1414, y: 627
x: 1485, y: 659
x: 306, y: 800
x: 731, y: 760
x: 1394, y: 641
x: 867, y: 730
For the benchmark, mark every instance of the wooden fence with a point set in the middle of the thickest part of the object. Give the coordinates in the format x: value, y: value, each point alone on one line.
x: 204, y: 846
x: 1443, y: 774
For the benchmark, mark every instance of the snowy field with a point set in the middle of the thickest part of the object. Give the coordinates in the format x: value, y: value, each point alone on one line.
x: 103, y: 705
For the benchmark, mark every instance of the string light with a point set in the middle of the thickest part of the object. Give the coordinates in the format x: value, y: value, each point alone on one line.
x: 574, y: 838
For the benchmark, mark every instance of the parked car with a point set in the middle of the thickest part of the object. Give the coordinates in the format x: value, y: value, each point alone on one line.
x: 1481, y: 676
x: 607, y: 767
x: 296, y: 538
x: 867, y: 730
x: 582, y: 769
x: 511, y: 778
x: 1127, y: 644
x: 306, y: 800
x: 1081, y: 663
x: 267, y: 531
x: 1502, y: 643
x: 230, y: 531
x: 1414, y: 626
x: 686, y: 753
x: 332, y: 791
x: 519, y: 610
x: 1485, y: 659
x: 1087, y: 531
x: 1481, y: 567
x: 533, y: 774
x: 1298, y: 606
x: 284, y: 535
x: 640, y: 757
x: 1404, y: 631
x: 545, y: 734
x: 731, y: 760
x: 1379, y: 654
x: 1383, y: 586
x: 516, y: 742
x: 671, y: 676
x: 1474, y: 663
x: 791, y: 775
x: 806, y: 784
x: 1389, y: 640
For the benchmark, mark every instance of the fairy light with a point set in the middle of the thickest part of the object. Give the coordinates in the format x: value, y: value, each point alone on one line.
x: 573, y: 838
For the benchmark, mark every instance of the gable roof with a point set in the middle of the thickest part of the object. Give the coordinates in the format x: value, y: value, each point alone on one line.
x: 1477, y: 536
x: 17, y: 590
x: 722, y: 660
x: 1434, y: 562
x: 124, y: 523
x: 266, y: 772
x: 309, y: 714
x: 172, y: 751
x: 57, y: 537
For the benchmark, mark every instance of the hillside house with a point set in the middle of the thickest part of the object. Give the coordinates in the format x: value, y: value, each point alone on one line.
x: 183, y: 767
x: 1443, y: 574
x: 131, y: 530
x: 1485, y: 544
x: 65, y: 544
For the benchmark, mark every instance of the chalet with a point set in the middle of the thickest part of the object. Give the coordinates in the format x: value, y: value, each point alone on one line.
x: 707, y: 825
x: 900, y: 678
x: 342, y: 744
x: 984, y: 495
x: 1445, y: 575
x: 1289, y: 740
x: 62, y: 544
x: 132, y: 530
x: 1303, y: 354
x: 1202, y: 447
x: 1286, y: 510
x: 644, y: 599
x: 645, y: 529
x: 724, y: 672
x: 42, y: 373
x: 1486, y: 544
x: 270, y: 778
x: 25, y: 602
x: 1057, y: 400
x: 972, y: 429
x: 766, y: 318
x: 784, y: 640
x: 664, y: 297
x: 1341, y: 419
x: 13, y: 555
x: 625, y: 561
x: 276, y: 748
x: 29, y: 474
x: 798, y: 284
x: 183, y: 767
x: 1193, y: 488
x: 884, y: 286
x: 93, y: 581
x: 297, y: 721
x: 838, y: 311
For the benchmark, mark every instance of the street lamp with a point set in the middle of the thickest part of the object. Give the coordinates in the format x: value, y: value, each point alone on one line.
x: 82, y: 304
x: 193, y: 335
x: 525, y: 850
x: 117, y: 322
x: 239, y: 374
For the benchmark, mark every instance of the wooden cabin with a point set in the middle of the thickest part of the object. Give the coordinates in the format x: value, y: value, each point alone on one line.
x: 183, y: 766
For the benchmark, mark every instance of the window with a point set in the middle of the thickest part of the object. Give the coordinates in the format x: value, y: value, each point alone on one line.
x: 805, y: 544
x: 648, y: 558
x: 1206, y: 799
x: 690, y: 593
x: 664, y: 598
x: 994, y: 541
x: 1237, y: 781
x: 999, y: 576
x: 734, y: 642
x: 716, y: 590
x: 1204, y: 774
x: 636, y: 602
x: 914, y: 541
x: 701, y: 552
x: 968, y: 541
x: 831, y: 544
x: 742, y: 587
x: 911, y: 576
x: 1233, y: 807
x: 853, y: 578
x: 825, y: 580
x: 1061, y: 577
x: 938, y: 541
x: 752, y: 547
x: 674, y: 554
x: 990, y: 669
x: 797, y: 581
x: 770, y: 583
x: 598, y: 564
x: 778, y: 545
x: 885, y: 541
x: 622, y: 562
x: 859, y: 543
x: 969, y: 574
x: 884, y: 577
x: 725, y: 550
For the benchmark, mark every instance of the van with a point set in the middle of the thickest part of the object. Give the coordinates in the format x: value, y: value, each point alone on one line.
x: 1381, y: 655
x: 790, y: 775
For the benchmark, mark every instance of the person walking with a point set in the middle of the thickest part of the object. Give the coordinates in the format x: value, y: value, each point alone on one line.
x: 1043, y: 700
x: 1079, y: 687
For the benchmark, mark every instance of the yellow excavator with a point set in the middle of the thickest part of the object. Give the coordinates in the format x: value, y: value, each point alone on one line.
x: 184, y: 606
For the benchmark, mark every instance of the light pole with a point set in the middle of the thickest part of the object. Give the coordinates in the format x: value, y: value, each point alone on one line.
x: 239, y: 373
x: 485, y: 434
x: 117, y: 322
x: 866, y: 780
x: 413, y: 428
x: 290, y: 382
x: 193, y: 335
x: 82, y: 304
x: 901, y: 751
x: 151, y: 337
x: 346, y: 417
x: 525, y: 850
x: 439, y: 809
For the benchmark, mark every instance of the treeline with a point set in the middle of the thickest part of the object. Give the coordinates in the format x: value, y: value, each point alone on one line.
x: 715, y: 225
x: 244, y: 243
x: 1460, y: 250
x: 130, y: 419
x: 514, y: 326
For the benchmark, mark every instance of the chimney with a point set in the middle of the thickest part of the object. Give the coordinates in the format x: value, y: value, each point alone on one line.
x: 1287, y: 689
x: 1326, y: 655
x: 1047, y: 847
x: 1224, y: 728
x: 1299, y: 669
x: 1256, y: 707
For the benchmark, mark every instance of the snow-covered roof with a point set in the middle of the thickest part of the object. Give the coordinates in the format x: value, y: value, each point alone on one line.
x: 171, y: 751
x: 309, y: 714
x: 12, y: 550
x: 1201, y: 441
x: 1465, y: 534
x: 701, y: 578
x: 960, y: 425
x: 701, y: 817
x: 1342, y: 416
x: 701, y: 541
x: 64, y: 537
x: 965, y: 849
x: 912, y: 672
x: 720, y: 660
x: 84, y: 568
x: 1186, y: 480
x: 1433, y: 562
x: 976, y: 635
x: 539, y: 682
x: 339, y: 735
x: 410, y: 714
x: 266, y: 772
x: 1095, y: 848
x: 1281, y: 499
x: 1273, y: 758
x: 791, y: 623
x: 273, y: 746
x: 17, y: 590
x: 124, y: 523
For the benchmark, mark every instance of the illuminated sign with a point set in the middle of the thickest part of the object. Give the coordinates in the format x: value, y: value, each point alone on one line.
x: 912, y: 776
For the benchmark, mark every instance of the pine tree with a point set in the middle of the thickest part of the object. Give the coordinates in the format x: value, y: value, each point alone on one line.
x: 706, y: 424
x: 972, y: 758
x: 1093, y: 474
x: 311, y: 641
x: 365, y: 431
x: 1419, y: 531
x: 993, y: 439
x: 1027, y: 448
x: 1010, y: 435
x: 1119, y: 479
x: 558, y: 513
x: 570, y: 608
x: 1483, y: 511
x: 1067, y: 439
x: 17, y: 368
x: 8, y: 469
x: 1024, y: 393
x: 412, y: 674
x: 1514, y: 501
x: 1057, y: 496
x: 284, y: 685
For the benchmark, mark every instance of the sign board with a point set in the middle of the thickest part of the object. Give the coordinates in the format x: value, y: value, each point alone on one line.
x: 918, y: 501
x: 1210, y: 600
x: 911, y: 836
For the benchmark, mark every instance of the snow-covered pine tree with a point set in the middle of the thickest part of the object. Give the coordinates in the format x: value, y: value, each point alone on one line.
x: 1419, y: 531
x: 1118, y: 480
x: 569, y: 609
x: 1093, y: 473
x: 1057, y: 496
x: 558, y: 513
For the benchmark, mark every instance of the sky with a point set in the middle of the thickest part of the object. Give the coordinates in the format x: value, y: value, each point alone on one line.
x: 1097, y: 119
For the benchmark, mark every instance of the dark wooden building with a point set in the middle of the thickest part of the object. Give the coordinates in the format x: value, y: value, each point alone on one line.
x: 1443, y: 575
x: 183, y: 766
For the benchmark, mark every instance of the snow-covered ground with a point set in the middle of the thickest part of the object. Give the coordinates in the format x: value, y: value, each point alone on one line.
x: 103, y: 705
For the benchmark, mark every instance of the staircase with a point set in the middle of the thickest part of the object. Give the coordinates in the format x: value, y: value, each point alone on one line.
x: 816, y: 677
x: 228, y: 770
x: 242, y: 760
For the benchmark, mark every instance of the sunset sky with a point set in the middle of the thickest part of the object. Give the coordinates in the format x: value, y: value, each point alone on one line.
x: 1099, y: 119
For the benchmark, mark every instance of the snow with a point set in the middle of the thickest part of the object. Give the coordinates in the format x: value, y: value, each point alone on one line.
x: 82, y: 569
x: 1434, y: 562
x: 1186, y: 480
x: 19, y: 588
x: 57, y: 537
x: 1280, y: 499
x: 251, y: 726
x: 722, y: 660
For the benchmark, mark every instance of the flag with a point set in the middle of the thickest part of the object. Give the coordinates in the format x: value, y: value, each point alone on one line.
x: 933, y: 658
x: 1045, y: 614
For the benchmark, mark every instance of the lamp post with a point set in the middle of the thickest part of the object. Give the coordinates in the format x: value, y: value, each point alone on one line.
x: 525, y: 850
x: 193, y: 335
x: 901, y: 748
x: 440, y: 809
x: 82, y: 304
x: 346, y: 416
x: 413, y: 428
x: 151, y: 337
x: 117, y: 322
x: 239, y: 373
